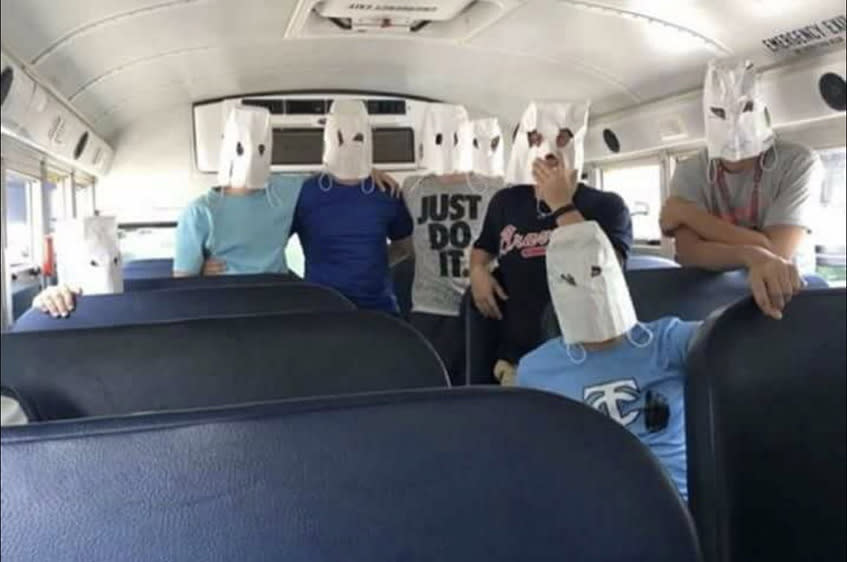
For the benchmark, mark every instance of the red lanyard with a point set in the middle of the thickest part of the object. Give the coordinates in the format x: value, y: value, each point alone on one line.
x: 751, y: 212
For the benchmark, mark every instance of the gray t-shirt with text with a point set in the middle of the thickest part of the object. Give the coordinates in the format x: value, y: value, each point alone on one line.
x: 789, y: 192
x: 448, y: 218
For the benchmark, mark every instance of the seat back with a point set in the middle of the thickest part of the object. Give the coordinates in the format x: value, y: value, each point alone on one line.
x: 212, y: 362
x: 160, y: 283
x: 765, y: 415
x: 150, y: 307
x: 416, y: 477
x: 688, y: 293
x: 637, y: 262
x: 148, y: 269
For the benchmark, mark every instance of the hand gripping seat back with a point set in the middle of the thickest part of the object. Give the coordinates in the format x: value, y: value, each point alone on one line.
x: 214, y: 362
x: 150, y: 307
x: 765, y: 407
x: 417, y: 476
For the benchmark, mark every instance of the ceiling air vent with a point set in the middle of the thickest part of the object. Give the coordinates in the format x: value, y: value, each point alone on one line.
x: 436, y: 19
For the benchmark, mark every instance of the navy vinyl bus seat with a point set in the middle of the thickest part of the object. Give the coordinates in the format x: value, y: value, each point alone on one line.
x: 765, y: 417
x: 148, y: 269
x: 212, y: 362
x: 637, y: 262
x: 150, y: 307
x: 415, y: 477
x: 160, y: 283
x: 688, y: 293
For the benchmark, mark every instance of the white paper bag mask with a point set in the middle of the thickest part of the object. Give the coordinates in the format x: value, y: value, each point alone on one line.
x: 487, y: 147
x: 553, y: 128
x: 587, y: 285
x: 348, y: 141
x: 737, y: 123
x: 445, y: 140
x: 245, y: 159
x: 88, y: 255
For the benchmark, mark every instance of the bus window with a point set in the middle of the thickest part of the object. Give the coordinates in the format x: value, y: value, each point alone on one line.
x: 19, y: 229
x: 832, y: 227
x: 146, y: 241
x: 84, y: 200
x: 641, y: 188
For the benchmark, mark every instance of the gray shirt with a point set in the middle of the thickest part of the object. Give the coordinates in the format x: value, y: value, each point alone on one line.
x: 789, y: 192
x: 448, y: 219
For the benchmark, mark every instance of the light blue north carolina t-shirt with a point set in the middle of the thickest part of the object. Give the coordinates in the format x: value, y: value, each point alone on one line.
x: 640, y: 388
x: 247, y: 232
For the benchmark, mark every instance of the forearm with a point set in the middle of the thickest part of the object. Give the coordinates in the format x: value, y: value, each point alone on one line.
x: 713, y: 229
x: 692, y: 251
x: 480, y: 259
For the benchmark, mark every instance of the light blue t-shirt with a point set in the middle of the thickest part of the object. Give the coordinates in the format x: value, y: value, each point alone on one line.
x: 642, y: 388
x: 246, y: 232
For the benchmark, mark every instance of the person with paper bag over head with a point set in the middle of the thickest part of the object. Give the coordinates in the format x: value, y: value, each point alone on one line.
x: 241, y: 226
x: 344, y: 221
x: 461, y: 159
x: 632, y: 372
x: 88, y: 262
x: 748, y: 200
x: 544, y: 167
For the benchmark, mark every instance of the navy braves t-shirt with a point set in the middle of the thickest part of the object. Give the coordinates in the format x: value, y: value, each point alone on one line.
x: 516, y: 234
x: 343, y: 230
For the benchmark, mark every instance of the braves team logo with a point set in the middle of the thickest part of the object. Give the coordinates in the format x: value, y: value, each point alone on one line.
x: 608, y: 397
x: 531, y: 244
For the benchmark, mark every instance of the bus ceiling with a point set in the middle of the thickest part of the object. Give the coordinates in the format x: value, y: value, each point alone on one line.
x: 114, y: 66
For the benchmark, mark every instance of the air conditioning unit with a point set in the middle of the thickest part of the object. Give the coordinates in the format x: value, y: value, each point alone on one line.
x: 35, y: 116
x: 298, y: 122
x: 454, y: 20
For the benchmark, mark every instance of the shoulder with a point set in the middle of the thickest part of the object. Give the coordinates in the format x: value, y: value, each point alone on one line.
x: 198, y: 207
x: 535, y: 366
x: 695, y: 163
x: 513, y: 193
x: 795, y: 153
x: 412, y: 182
x: 673, y: 331
x: 286, y: 182
x: 542, y: 355
x: 493, y: 184
x: 606, y: 202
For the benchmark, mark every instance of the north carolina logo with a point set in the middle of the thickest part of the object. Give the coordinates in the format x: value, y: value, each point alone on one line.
x: 608, y: 398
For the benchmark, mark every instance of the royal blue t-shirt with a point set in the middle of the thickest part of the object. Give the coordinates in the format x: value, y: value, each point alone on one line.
x: 343, y: 230
x: 642, y: 388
